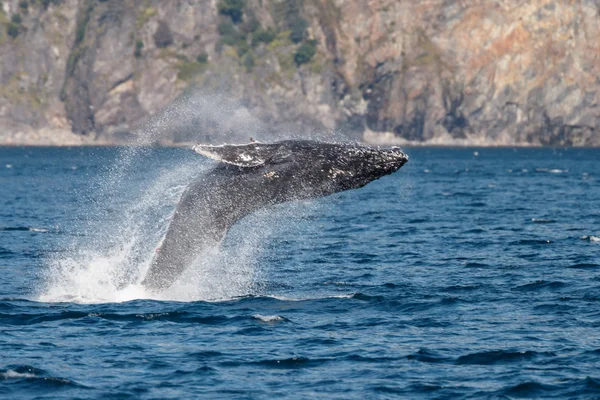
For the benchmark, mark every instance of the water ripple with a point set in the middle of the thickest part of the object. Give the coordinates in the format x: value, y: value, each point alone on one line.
x: 477, y: 279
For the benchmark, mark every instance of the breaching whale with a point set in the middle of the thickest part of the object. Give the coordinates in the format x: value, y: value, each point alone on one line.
x: 254, y: 176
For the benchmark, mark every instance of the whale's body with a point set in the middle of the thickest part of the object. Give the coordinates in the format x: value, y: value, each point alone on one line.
x: 254, y: 176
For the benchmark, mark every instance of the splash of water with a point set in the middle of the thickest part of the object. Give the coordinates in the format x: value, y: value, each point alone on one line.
x: 132, y: 203
x: 111, y: 259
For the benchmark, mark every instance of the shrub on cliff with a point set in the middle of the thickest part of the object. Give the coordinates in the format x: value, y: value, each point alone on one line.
x: 14, y: 26
x: 13, y: 30
x: 289, y: 14
x: 251, y: 25
x: 232, y: 8
x: 263, y: 36
x: 226, y: 29
x: 305, y: 52
x: 242, y: 47
x: 163, y: 37
x: 297, y: 29
x: 202, y: 58
x: 82, y: 25
x: 46, y: 3
x: 249, y: 61
x: 139, y: 45
x: 188, y: 70
x: 232, y: 37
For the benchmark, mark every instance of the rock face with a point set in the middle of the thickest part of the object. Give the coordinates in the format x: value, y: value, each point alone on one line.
x: 438, y: 71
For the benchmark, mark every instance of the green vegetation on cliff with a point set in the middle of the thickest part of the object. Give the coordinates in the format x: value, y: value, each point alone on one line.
x: 232, y: 8
x: 288, y: 36
x: 14, y: 27
x: 305, y: 52
x: 440, y: 73
x: 139, y: 45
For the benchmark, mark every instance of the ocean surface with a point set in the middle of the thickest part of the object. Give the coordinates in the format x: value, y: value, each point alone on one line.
x: 470, y: 273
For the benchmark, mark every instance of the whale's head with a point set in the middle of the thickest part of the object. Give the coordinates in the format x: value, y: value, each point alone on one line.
x: 309, y: 168
x: 334, y: 167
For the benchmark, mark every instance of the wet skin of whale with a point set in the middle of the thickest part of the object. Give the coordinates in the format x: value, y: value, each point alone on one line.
x: 253, y: 176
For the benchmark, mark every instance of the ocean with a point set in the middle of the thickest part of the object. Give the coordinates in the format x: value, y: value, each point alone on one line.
x: 469, y: 273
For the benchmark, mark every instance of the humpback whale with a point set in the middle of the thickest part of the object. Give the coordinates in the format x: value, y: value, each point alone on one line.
x: 253, y: 176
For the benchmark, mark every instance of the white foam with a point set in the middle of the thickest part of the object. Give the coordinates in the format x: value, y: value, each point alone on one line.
x: 541, y: 220
x: 307, y: 298
x: 40, y: 230
x: 109, y: 261
x: 10, y: 374
x: 269, y: 318
x: 550, y: 171
x: 110, y: 264
x: 89, y: 278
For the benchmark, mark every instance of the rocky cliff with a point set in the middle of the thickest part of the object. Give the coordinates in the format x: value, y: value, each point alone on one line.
x: 439, y: 71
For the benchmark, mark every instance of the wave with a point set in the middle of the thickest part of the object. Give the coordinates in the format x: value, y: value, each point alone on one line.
x: 6, y: 253
x: 592, y: 239
x: 89, y: 317
x: 271, y: 318
x: 584, y: 265
x: 428, y: 356
x: 499, y: 357
x: 462, y: 288
x: 476, y: 265
x: 541, y: 285
x: 527, y: 389
x: 531, y: 242
x: 570, y: 388
x: 551, y: 170
x: 25, y: 229
x: 30, y: 375
x: 542, y: 220
x: 368, y: 298
x: 292, y: 362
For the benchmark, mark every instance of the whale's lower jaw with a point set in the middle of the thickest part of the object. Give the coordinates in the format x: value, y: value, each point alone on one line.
x: 238, y: 186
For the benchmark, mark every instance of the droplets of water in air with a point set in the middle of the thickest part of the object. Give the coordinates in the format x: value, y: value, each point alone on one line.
x: 125, y: 213
x: 118, y: 239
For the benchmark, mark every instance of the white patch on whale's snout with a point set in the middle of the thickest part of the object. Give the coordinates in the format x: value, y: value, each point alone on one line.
x: 334, y: 173
x: 271, y: 174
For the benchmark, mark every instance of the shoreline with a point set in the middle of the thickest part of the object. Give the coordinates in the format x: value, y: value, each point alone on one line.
x: 66, y: 138
x: 189, y: 145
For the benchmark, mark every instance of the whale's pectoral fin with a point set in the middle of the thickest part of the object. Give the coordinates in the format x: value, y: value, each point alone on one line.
x: 243, y: 155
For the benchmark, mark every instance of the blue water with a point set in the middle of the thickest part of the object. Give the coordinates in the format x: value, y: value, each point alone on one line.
x: 470, y: 273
